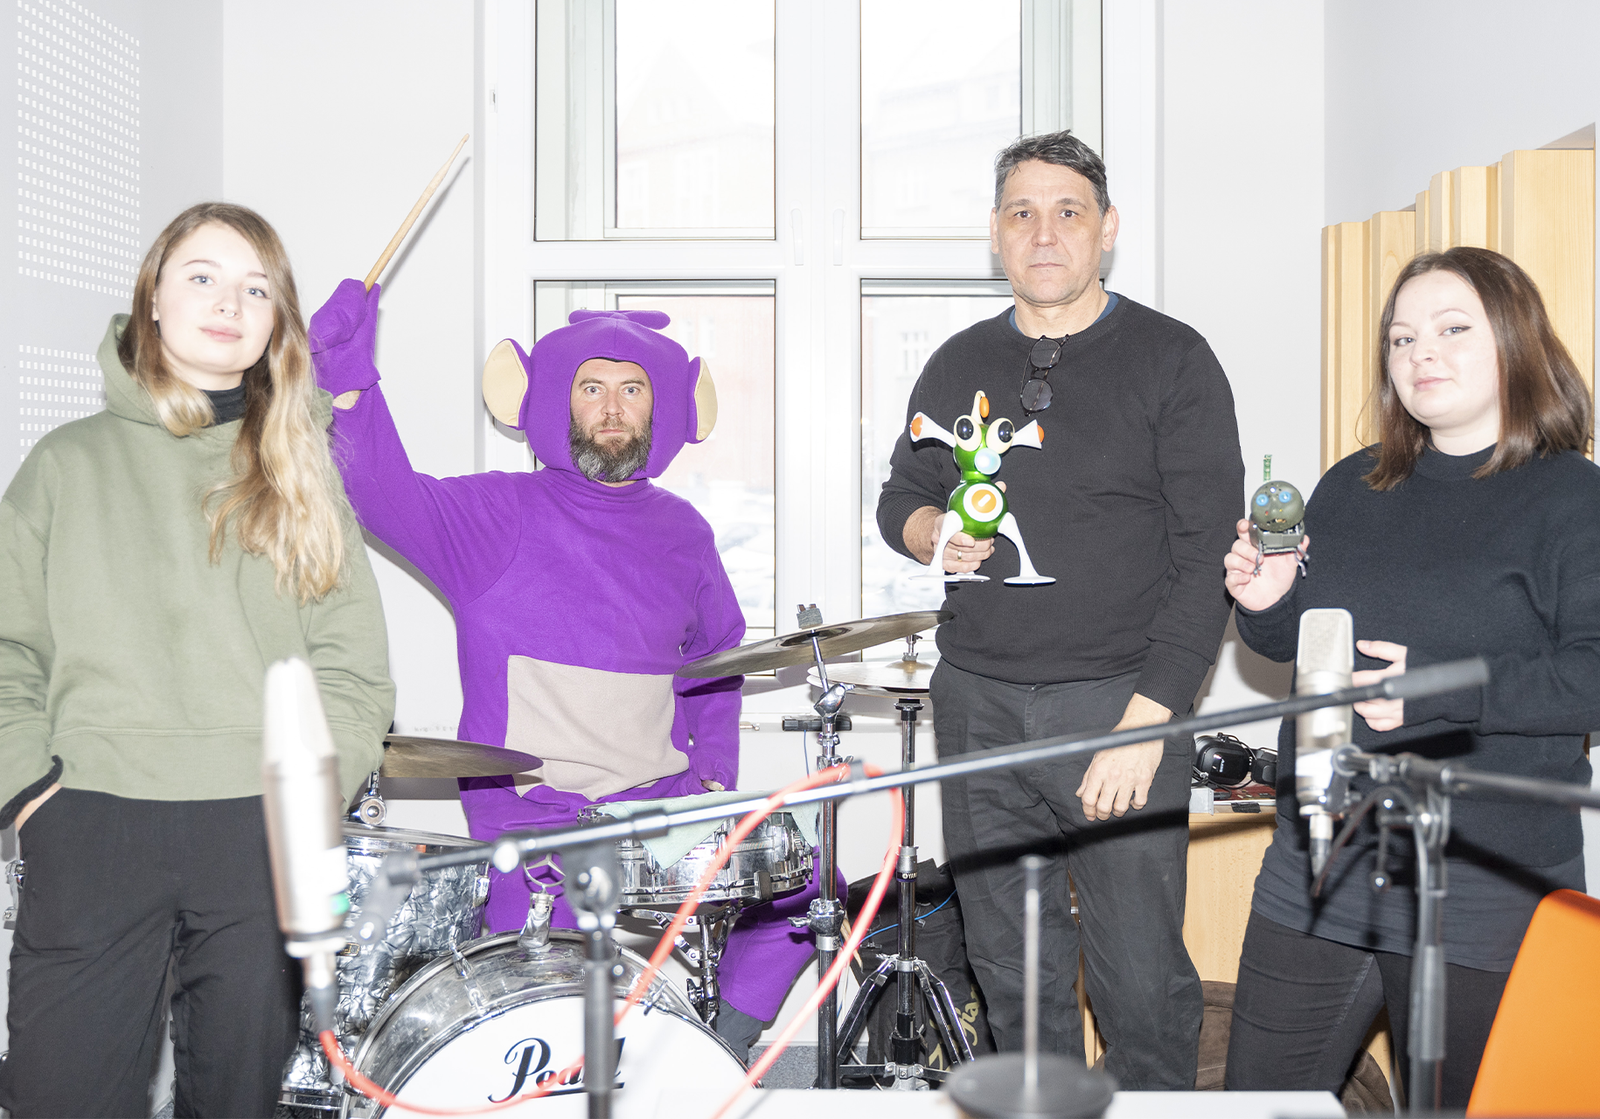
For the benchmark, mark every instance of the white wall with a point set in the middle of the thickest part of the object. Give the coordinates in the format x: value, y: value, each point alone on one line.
x: 335, y: 117
x: 1241, y: 206
x: 1418, y: 88
x: 178, y: 132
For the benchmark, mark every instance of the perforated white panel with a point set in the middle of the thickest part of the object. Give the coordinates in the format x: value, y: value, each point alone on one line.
x: 77, y: 148
x: 55, y: 386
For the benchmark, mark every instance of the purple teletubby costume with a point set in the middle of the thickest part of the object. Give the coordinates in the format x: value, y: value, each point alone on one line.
x: 574, y: 602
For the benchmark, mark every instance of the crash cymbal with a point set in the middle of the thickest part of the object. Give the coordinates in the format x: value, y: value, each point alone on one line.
x: 404, y: 756
x: 878, y: 678
x: 795, y: 648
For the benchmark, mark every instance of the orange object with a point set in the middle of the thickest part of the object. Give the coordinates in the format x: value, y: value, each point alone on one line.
x: 1543, y: 1054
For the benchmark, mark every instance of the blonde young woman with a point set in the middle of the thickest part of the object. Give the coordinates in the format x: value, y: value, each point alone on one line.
x: 155, y: 558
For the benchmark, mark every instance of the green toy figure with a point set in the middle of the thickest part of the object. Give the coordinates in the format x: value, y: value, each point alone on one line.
x: 977, y: 506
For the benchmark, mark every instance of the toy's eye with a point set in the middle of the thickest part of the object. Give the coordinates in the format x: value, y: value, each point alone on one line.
x: 969, y: 437
x: 1001, y: 434
x: 1262, y: 500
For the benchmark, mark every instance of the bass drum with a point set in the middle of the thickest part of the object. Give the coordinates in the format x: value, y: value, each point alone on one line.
x: 494, y: 1020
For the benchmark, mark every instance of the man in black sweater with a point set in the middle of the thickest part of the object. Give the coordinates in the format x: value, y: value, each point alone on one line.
x: 1128, y: 503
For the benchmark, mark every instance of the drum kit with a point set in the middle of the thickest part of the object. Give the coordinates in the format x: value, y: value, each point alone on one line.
x: 424, y: 1001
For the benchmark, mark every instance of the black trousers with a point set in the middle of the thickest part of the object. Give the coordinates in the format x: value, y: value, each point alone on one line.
x: 1130, y: 876
x: 115, y: 889
x: 1304, y: 1006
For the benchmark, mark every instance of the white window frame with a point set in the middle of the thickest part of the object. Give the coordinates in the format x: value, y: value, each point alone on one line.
x: 817, y: 259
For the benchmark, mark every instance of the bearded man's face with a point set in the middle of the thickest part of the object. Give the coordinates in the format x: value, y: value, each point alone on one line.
x: 610, y: 432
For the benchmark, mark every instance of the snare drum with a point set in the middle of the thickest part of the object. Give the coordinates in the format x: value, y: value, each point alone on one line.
x: 773, y: 859
x: 444, y: 909
x: 495, y: 1021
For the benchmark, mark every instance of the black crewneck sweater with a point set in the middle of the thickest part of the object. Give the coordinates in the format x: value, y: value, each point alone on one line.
x: 1130, y: 503
x: 1505, y: 567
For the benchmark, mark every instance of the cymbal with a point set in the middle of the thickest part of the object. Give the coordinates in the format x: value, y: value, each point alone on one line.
x: 404, y: 756
x: 878, y: 678
x: 795, y: 648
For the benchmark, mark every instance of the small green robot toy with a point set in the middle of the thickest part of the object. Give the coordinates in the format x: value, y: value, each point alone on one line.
x: 1277, y: 517
x: 977, y: 506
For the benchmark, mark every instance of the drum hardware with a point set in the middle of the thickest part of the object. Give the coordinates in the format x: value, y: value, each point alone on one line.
x: 913, y: 978
x: 535, y: 934
x: 826, y: 914
x: 1030, y: 1083
x: 774, y: 858
x: 14, y: 875
x: 401, y: 869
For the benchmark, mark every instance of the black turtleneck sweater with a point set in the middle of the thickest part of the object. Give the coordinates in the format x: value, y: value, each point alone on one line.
x: 1507, y: 568
x: 228, y: 404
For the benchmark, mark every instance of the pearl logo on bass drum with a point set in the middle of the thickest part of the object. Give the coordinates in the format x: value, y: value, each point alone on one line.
x: 531, y: 1056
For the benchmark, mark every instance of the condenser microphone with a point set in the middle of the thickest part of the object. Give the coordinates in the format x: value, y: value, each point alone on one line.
x: 1323, y: 664
x: 300, y: 795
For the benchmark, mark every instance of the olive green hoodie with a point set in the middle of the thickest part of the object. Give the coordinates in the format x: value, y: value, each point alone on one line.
x: 130, y: 656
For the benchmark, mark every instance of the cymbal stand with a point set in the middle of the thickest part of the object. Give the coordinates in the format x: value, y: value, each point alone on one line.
x: 912, y: 975
x: 826, y: 916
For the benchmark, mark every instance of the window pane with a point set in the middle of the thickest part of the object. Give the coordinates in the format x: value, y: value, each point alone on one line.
x: 899, y: 330
x: 729, y: 477
x: 941, y: 85
x: 695, y: 106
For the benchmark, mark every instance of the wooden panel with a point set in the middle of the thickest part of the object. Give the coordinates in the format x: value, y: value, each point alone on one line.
x: 1347, y: 352
x: 1224, y: 855
x: 1441, y: 208
x: 1547, y: 226
x: 1473, y: 192
x: 1391, y: 243
x: 1421, y: 239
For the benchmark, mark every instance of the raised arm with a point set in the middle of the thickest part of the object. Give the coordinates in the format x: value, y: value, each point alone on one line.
x: 460, y: 532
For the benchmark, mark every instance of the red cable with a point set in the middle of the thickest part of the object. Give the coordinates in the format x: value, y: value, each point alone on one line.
x: 880, y: 886
x: 374, y: 1091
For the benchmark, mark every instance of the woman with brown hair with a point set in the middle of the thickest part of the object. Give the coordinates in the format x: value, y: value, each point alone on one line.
x: 155, y: 558
x: 1472, y: 529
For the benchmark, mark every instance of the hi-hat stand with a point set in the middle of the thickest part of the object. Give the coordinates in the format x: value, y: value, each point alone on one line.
x: 913, y: 978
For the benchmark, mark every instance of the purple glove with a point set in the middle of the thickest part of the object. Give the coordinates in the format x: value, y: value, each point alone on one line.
x: 342, y: 334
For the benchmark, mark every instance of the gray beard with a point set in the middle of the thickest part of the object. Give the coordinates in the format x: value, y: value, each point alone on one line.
x: 598, y: 464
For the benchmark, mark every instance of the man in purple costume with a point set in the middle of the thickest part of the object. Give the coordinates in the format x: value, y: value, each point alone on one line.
x: 578, y: 591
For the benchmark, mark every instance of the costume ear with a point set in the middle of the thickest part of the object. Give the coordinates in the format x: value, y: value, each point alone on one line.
x: 705, y: 403
x: 505, y: 382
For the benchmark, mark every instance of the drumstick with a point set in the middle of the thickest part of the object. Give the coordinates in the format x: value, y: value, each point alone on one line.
x: 411, y: 218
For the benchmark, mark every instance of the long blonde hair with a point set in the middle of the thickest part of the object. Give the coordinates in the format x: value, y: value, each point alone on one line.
x: 283, y: 499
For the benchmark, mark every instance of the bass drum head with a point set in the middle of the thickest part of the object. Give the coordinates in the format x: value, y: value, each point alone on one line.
x: 515, y: 1019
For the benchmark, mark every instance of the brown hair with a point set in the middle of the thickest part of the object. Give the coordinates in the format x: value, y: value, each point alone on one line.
x: 283, y: 500
x: 1545, y: 407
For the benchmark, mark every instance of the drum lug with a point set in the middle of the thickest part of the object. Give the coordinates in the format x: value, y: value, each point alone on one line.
x: 535, y: 935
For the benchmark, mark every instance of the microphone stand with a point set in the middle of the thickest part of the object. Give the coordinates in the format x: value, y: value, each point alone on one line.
x: 594, y: 874
x: 1415, y: 792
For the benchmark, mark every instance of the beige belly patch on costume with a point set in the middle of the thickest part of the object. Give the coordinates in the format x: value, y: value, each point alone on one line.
x: 598, y: 732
